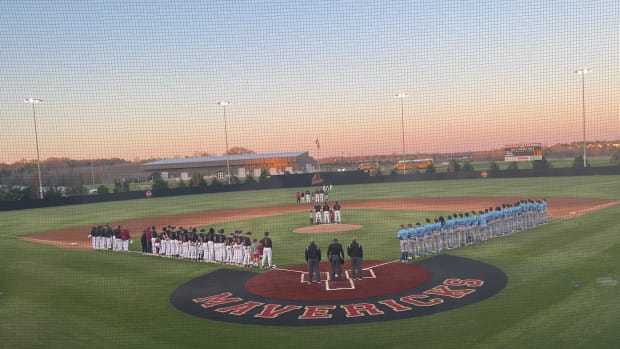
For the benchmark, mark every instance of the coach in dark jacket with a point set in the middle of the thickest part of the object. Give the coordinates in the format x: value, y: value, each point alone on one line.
x: 356, y: 253
x: 313, y: 258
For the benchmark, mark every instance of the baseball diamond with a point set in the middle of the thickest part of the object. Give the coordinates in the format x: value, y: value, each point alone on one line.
x: 568, y: 260
x: 558, y: 208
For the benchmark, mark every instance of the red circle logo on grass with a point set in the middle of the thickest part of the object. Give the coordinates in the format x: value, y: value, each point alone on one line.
x: 387, y: 291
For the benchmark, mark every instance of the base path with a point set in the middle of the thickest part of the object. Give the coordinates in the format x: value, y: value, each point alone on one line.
x: 77, y: 237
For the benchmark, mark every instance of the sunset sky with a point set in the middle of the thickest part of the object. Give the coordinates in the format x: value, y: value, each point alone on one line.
x: 136, y: 79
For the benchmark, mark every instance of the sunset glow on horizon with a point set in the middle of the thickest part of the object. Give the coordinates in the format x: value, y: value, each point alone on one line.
x: 142, y: 80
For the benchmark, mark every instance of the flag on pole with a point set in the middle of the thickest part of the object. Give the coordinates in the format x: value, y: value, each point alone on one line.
x: 318, y: 145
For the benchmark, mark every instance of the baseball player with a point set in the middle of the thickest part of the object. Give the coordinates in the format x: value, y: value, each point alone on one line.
x: 247, y: 250
x: 93, y: 236
x: 428, y: 236
x: 411, y: 241
x: 125, y: 238
x: 337, y: 217
x: 267, y: 253
x: 117, y: 243
x: 403, y: 239
x: 326, y: 216
x: 317, y: 213
x: 108, y: 237
x: 418, y: 237
x: 259, y: 252
x: 210, y: 253
x: 228, y: 248
x: 255, y: 254
x: 219, y: 246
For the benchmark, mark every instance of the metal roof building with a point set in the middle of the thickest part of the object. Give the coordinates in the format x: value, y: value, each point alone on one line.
x: 241, y: 165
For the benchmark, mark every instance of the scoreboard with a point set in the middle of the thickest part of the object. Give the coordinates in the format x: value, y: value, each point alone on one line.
x: 523, y: 152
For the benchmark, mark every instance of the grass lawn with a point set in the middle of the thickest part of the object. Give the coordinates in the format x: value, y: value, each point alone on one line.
x: 52, y: 297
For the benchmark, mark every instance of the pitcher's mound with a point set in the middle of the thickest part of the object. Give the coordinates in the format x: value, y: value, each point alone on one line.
x: 327, y: 228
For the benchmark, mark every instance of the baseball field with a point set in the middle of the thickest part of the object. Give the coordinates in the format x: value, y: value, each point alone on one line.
x: 562, y: 277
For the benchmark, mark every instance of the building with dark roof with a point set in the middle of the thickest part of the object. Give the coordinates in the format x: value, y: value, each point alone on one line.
x: 242, y: 165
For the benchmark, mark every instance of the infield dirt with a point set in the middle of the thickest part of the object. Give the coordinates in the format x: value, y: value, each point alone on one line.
x: 77, y: 237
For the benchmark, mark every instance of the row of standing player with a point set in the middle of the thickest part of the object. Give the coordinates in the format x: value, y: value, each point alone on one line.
x: 319, y: 195
x: 104, y: 237
x: 236, y: 249
x: 468, y: 228
x: 323, y: 214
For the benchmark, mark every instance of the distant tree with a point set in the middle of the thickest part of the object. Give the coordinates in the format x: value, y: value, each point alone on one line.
x: 239, y: 150
x: 541, y: 164
x: 197, y: 181
x: 201, y: 154
x: 102, y: 189
x: 454, y: 166
x: 431, y: 169
x: 250, y: 179
x: 513, y: 166
x: 14, y: 194
x: 578, y: 162
x: 52, y: 193
x: 263, y: 175
x: 216, y: 183
x: 393, y: 172
x: 467, y: 167
x: 614, y: 159
x: 121, y: 185
x: 117, y: 186
x: 78, y: 190
x: 493, y: 166
x: 159, y: 185
x: 182, y: 184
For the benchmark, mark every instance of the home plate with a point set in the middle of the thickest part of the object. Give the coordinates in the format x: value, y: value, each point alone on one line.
x: 74, y: 243
x: 572, y: 213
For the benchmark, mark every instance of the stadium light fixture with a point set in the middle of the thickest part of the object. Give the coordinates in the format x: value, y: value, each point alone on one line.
x: 34, y: 101
x: 583, y: 72
x: 224, y: 105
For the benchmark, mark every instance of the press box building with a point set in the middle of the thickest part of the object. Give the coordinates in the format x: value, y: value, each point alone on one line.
x: 241, y: 165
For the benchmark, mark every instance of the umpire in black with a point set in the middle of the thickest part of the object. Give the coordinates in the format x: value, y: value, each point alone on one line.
x: 335, y: 253
x: 313, y: 258
x: 356, y: 253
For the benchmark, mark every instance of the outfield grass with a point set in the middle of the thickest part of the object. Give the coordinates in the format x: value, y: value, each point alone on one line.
x: 25, y: 222
x: 52, y: 297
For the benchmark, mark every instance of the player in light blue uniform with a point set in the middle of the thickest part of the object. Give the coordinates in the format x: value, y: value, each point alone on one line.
x: 427, y: 231
x: 418, y: 234
x: 403, y: 237
x: 411, y: 238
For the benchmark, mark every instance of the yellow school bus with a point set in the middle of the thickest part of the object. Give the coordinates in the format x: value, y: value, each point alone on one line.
x: 404, y: 165
x: 368, y: 166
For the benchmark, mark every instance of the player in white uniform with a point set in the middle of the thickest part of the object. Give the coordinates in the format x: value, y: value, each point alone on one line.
x: 267, y: 253
x: 337, y: 217
x: 326, y: 218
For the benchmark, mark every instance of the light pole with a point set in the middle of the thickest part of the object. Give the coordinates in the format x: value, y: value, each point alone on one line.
x: 34, y: 101
x: 583, y: 72
x: 92, y: 173
x: 224, y: 105
x: 402, y: 124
